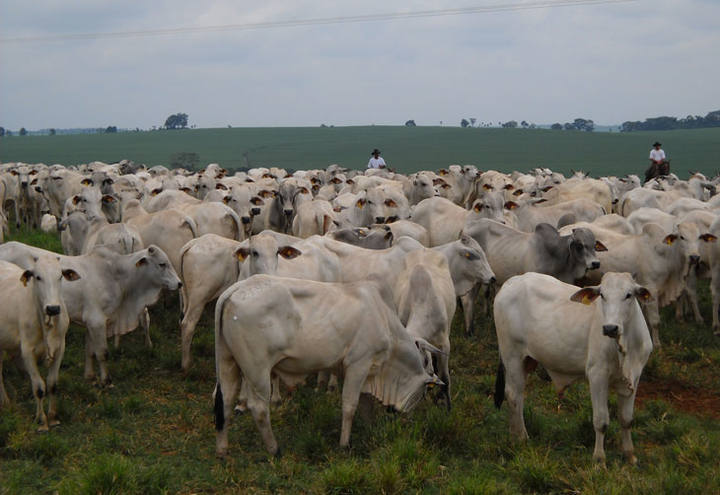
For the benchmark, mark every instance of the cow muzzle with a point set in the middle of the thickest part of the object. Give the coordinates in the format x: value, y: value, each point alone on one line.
x: 379, y: 219
x: 255, y: 211
x: 694, y: 259
x: 52, y: 310
x: 594, y: 265
x: 288, y: 212
x: 610, y: 331
x: 245, y: 220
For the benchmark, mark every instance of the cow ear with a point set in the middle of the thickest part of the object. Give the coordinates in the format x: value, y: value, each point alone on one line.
x: 488, y: 187
x: 442, y: 171
x: 108, y: 199
x: 478, y: 207
x: 335, y: 180
x: 511, y: 205
x: 389, y: 236
x: 509, y: 187
x: 70, y: 275
x: 25, y: 277
x: 546, y: 188
x: 155, y: 192
x: 586, y: 295
x: 220, y: 186
x: 242, y: 253
x: 86, y: 182
x: 226, y: 199
x: 289, y: 252
x: 518, y: 192
x: 445, y: 186
x: 350, y: 181
x: 708, y: 237
x: 438, y: 181
x: 360, y: 203
x: 257, y: 201
x: 389, y: 202
x: 14, y: 172
x: 315, y: 188
x: 599, y: 246
x: 76, y: 200
x: 337, y: 209
x: 142, y: 261
x: 266, y: 194
x: 643, y: 294
x: 669, y: 239
x: 304, y: 190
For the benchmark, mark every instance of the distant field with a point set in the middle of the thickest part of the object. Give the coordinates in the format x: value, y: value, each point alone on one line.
x: 406, y: 149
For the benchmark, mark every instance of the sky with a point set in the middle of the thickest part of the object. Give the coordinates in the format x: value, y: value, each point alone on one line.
x: 608, y: 62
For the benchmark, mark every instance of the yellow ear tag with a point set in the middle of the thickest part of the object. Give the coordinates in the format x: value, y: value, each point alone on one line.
x: 431, y: 385
x: 669, y: 240
x: 586, y: 300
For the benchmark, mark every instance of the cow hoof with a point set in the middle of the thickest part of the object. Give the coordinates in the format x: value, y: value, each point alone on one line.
x: 54, y: 422
x: 221, y: 454
x: 43, y: 429
x: 631, y: 459
x: 716, y: 333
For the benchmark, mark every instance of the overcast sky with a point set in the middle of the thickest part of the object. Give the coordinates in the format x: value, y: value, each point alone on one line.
x: 609, y: 62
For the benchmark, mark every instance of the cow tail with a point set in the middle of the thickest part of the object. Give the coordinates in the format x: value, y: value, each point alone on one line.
x: 183, y: 251
x: 219, y: 408
x: 500, y: 385
x: 193, y: 226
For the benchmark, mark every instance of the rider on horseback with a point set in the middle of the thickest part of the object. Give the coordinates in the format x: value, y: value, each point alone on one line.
x: 659, y: 165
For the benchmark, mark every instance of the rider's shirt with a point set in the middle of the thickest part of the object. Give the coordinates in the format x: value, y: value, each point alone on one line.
x: 657, y: 155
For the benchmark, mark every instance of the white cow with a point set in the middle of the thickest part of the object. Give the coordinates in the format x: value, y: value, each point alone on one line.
x: 292, y: 328
x: 33, y: 324
x: 539, y: 319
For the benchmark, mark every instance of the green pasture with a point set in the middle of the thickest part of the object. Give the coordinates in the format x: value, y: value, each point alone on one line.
x: 408, y: 149
x: 152, y: 432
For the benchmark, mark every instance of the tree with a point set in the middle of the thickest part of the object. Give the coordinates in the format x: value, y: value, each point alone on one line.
x: 584, y: 125
x: 23, y: 131
x: 464, y: 123
x: 2, y: 131
x: 472, y: 121
x: 52, y: 132
x: 410, y: 123
x: 557, y: 126
x: 176, y: 121
x: 510, y: 124
x: 110, y: 129
x: 524, y: 124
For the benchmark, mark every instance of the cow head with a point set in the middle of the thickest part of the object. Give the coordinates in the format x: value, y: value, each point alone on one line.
x: 261, y: 255
x: 490, y: 205
x: 468, y: 264
x: 622, y: 319
x: 156, y: 266
x: 583, y: 246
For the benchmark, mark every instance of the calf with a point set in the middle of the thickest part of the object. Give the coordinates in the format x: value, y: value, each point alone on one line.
x: 538, y: 320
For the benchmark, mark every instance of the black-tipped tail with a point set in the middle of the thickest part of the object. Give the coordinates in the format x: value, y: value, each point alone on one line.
x: 500, y: 386
x: 219, y: 409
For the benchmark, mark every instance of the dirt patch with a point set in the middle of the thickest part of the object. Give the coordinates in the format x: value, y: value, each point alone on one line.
x: 682, y: 396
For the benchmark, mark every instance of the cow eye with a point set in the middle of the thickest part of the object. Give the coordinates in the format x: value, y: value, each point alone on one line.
x: 370, y: 202
x: 602, y: 296
x: 163, y: 265
x: 254, y: 253
x: 628, y: 295
x: 682, y: 237
x: 38, y: 279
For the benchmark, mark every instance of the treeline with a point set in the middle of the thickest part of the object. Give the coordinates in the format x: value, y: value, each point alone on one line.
x: 712, y: 119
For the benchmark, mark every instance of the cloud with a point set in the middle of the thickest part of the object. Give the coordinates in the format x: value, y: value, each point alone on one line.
x: 610, y: 62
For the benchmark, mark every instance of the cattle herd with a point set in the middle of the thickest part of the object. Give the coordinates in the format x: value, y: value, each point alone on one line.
x: 356, y: 277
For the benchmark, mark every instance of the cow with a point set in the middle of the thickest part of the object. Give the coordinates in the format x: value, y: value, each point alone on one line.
x: 512, y: 252
x: 527, y: 216
x: 366, y: 238
x: 291, y: 193
x: 35, y: 326
x: 596, y: 332
x: 113, y: 294
x: 291, y: 328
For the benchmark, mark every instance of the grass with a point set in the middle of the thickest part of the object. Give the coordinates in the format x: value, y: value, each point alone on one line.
x: 407, y: 149
x: 153, y: 432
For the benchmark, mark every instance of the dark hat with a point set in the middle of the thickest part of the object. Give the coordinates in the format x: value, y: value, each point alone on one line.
x: 375, y: 151
x: 657, y: 144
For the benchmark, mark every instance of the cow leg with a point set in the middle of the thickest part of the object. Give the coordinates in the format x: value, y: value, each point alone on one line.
x: 625, y: 413
x: 228, y: 382
x: 467, y: 301
x: 89, y: 365
x: 259, y: 407
x: 98, y: 350
x: 601, y: 416
x: 355, y: 377
x: 515, y: 376
x: 276, y: 398
x: 693, y: 298
x: 116, y: 340
x: 652, y: 313
x: 52, y: 380
x: 715, y: 303
x: 145, y: 323
x: 187, y: 330
x: 38, y: 387
x: 4, y: 399
x: 322, y: 380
